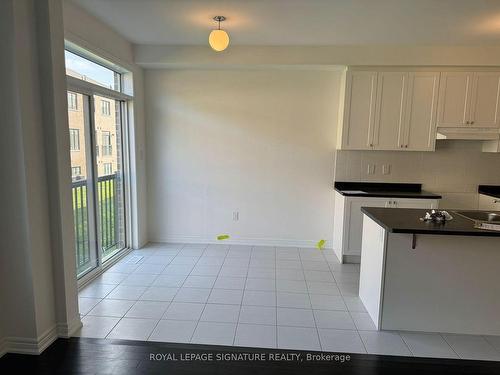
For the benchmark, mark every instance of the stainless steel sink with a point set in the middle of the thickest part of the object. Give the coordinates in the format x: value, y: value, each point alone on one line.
x: 485, y: 216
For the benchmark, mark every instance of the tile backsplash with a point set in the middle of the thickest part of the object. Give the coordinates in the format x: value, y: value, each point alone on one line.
x: 454, y: 170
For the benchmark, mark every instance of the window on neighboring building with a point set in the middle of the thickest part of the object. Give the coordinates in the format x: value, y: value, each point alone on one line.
x: 72, y: 101
x: 105, y: 108
x: 106, y: 143
x: 108, y: 168
x: 76, y: 171
x: 74, y: 139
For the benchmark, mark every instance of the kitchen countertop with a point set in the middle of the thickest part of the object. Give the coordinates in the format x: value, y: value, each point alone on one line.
x: 490, y: 190
x: 383, y: 190
x: 406, y: 220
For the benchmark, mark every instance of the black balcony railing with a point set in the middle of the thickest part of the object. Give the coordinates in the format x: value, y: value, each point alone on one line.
x: 108, y: 219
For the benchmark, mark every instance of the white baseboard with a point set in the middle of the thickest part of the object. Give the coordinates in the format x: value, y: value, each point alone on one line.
x: 34, y: 346
x: 237, y: 241
x: 68, y: 329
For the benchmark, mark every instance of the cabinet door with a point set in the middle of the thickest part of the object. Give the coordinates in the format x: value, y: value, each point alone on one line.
x: 421, y: 110
x: 355, y: 221
x: 484, y: 101
x: 391, y: 94
x: 359, y: 110
x: 454, y: 99
x: 416, y: 203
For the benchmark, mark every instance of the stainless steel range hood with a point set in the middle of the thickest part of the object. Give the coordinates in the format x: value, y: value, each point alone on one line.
x: 478, y: 134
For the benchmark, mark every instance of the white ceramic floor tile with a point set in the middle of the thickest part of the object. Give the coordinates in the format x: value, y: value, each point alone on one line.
x: 159, y: 293
x: 85, y: 304
x: 354, y: 304
x: 289, y: 274
x: 184, y: 311
x: 294, y: 286
x: 112, y: 307
x: 298, y: 300
x: 206, y: 270
x: 147, y: 310
x: 261, y: 273
x: 259, y: 298
x: 186, y: 261
x: 224, y: 282
x: 96, y: 290
x: 262, y: 263
x: 124, y: 267
x: 384, y: 343
x: 172, y: 281
x: 173, y: 331
x: 288, y: 264
x: 178, y: 269
x: 333, y: 319
x: 210, y: 261
x: 237, y: 262
x: 220, y: 313
x: 494, y: 341
x: 318, y: 287
x: 231, y: 271
x: 152, y: 269
x: 346, y: 267
x: 199, y: 295
x: 127, y: 292
x: 260, y: 284
x: 428, y: 345
x: 214, y: 333
x: 363, y: 321
x: 255, y: 336
x: 133, y: 329
x: 96, y: 326
x: 326, y: 302
x: 472, y: 347
x: 346, y: 277
x: 340, y: 340
x: 349, y: 289
x: 226, y: 296
x: 295, y: 317
x: 258, y: 315
x: 111, y: 278
x: 159, y: 259
x: 298, y: 338
x: 139, y: 279
x: 315, y: 266
x: 193, y: 281
x: 323, y: 276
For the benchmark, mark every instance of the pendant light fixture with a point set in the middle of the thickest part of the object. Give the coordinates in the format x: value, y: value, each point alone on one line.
x: 218, y: 39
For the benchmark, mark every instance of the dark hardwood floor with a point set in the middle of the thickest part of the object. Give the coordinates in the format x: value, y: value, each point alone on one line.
x: 96, y: 356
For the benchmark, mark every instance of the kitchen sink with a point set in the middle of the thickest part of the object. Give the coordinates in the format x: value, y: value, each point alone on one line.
x: 485, y: 216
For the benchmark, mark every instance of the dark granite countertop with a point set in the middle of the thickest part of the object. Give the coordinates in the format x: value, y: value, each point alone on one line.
x: 406, y: 220
x: 383, y: 190
x: 490, y: 190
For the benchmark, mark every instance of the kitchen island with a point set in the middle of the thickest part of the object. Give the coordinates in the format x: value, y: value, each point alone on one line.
x: 423, y: 276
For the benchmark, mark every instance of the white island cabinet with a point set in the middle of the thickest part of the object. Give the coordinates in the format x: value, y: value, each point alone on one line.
x: 418, y: 276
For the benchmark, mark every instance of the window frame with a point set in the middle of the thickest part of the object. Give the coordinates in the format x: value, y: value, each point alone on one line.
x: 74, y: 136
x: 105, y: 107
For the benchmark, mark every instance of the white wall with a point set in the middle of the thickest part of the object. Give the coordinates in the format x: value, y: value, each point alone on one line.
x: 454, y: 170
x: 260, y: 142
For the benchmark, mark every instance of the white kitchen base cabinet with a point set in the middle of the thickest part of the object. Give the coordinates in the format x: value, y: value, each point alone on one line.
x: 447, y: 284
x: 348, y: 221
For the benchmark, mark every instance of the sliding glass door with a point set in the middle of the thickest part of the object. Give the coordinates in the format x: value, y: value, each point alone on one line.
x: 97, y: 178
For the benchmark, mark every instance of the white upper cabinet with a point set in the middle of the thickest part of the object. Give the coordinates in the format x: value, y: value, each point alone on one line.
x: 421, y: 111
x: 359, y: 110
x: 454, y: 99
x: 469, y: 99
x: 389, y: 110
x: 484, y: 100
x: 389, y: 122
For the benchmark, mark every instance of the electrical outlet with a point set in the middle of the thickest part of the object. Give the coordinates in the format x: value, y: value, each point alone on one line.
x: 386, y: 169
x: 370, y: 169
x: 236, y: 215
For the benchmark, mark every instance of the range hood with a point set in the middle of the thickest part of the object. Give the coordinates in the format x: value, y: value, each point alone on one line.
x: 478, y: 134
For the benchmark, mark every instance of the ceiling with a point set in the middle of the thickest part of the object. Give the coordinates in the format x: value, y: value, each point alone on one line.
x: 304, y: 22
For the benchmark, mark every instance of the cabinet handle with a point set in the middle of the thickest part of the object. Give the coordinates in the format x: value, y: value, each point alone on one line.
x: 472, y: 122
x: 468, y: 122
x: 496, y: 201
x: 406, y: 146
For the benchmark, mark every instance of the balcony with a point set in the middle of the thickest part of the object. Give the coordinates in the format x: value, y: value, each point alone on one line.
x: 108, y: 226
